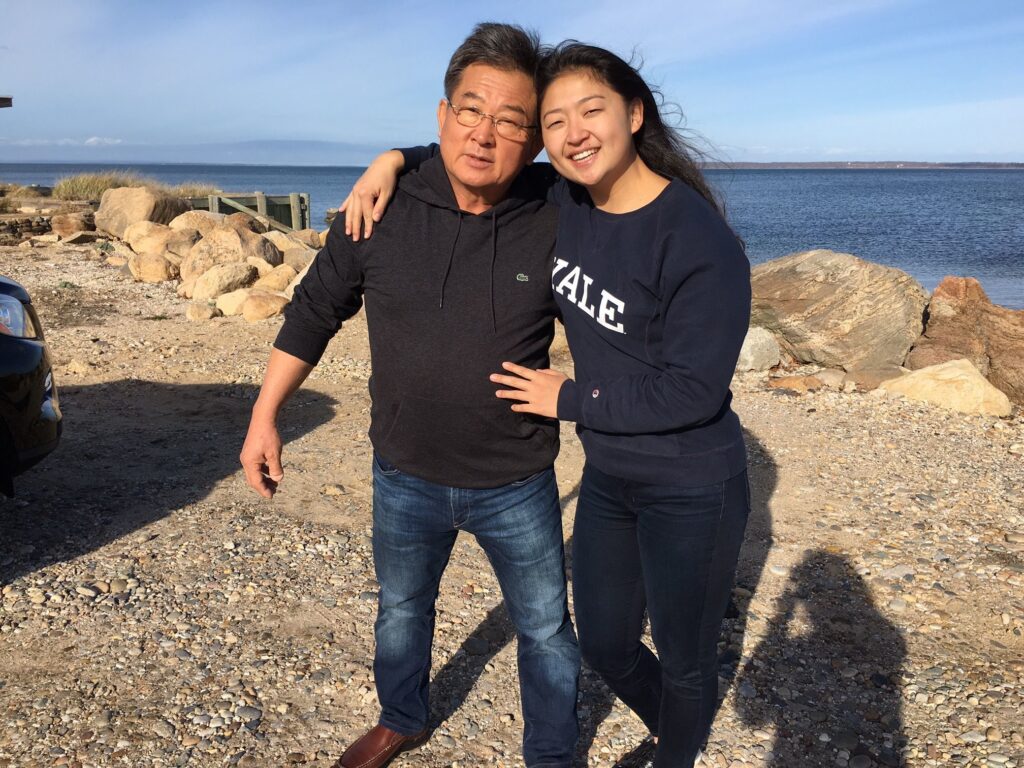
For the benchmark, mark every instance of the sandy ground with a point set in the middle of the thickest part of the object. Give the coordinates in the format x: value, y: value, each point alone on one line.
x: 155, y: 612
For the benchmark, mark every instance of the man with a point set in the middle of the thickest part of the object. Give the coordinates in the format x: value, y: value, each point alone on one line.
x: 454, y: 283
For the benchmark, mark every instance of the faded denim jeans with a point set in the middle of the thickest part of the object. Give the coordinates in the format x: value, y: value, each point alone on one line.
x: 519, y: 527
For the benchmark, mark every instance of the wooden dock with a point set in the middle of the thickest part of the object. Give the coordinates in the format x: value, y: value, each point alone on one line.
x: 284, y: 212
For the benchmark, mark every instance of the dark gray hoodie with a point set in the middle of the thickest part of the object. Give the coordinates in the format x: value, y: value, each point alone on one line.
x: 449, y: 295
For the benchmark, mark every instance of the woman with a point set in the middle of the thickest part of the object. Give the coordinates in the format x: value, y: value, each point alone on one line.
x: 654, y: 290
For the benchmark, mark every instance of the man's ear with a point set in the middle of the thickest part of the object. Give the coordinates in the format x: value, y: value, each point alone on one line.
x: 442, y: 115
x: 636, y: 115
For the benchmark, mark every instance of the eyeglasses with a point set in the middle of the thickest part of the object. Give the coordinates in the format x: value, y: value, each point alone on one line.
x: 470, y: 117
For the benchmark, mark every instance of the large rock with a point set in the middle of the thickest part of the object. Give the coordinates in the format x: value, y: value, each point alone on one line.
x: 202, y: 221
x: 956, y: 384
x: 228, y: 243
x: 151, y: 268
x: 836, y: 310
x: 260, y: 306
x: 126, y: 205
x: 278, y: 279
x: 160, y: 240
x: 295, y: 254
x: 200, y: 312
x: 231, y: 303
x: 290, y: 290
x: 66, y: 224
x: 223, y: 278
x: 963, y: 323
x: 760, y: 351
x: 244, y: 221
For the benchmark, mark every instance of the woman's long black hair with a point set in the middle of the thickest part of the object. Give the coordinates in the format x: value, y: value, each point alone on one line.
x: 663, y: 150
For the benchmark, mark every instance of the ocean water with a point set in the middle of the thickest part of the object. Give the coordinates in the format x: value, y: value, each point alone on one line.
x: 929, y: 223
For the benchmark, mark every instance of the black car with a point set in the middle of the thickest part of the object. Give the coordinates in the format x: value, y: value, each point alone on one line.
x: 30, y: 418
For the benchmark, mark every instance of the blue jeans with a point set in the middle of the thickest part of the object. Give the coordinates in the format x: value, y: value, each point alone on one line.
x: 670, y: 551
x: 519, y: 527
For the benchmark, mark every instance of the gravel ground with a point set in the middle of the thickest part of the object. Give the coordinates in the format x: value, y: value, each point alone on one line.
x: 155, y: 612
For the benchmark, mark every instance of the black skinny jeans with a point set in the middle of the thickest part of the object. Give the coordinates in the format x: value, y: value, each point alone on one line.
x: 671, y: 551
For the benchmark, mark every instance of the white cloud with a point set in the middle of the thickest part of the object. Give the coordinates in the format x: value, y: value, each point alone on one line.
x: 92, y: 141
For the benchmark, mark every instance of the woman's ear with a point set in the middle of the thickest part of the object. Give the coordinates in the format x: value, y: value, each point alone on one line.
x: 636, y: 115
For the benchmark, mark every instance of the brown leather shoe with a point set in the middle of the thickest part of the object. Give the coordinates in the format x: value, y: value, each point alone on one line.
x: 376, y: 748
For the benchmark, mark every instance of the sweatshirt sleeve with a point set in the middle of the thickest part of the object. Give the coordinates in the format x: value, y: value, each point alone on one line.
x: 416, y: 156
x: 707, y: 311
x: 330, y: 293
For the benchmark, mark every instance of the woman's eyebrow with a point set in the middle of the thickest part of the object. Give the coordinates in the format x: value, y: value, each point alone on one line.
x: 580, y: 101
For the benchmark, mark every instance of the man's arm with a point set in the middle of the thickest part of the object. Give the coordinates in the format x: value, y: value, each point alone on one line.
x: 261, y: 453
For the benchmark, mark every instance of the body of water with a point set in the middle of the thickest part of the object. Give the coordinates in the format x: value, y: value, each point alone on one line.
x: 929, y: 223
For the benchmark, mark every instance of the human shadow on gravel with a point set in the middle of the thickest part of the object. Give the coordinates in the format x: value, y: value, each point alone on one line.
x: 826, y: 675
x: 763, y: 475
x: 132, y: 452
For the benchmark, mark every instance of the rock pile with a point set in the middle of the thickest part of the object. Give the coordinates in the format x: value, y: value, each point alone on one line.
x: 868, y: 326
x: 227, y: 265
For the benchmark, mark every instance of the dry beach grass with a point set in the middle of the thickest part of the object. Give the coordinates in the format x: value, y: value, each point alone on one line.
x: 155, y: 612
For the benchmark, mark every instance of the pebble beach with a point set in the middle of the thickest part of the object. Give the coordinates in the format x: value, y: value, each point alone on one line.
x: 155, y: 612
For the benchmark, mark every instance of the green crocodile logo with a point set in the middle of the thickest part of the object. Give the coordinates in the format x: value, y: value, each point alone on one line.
x: 523, y: 278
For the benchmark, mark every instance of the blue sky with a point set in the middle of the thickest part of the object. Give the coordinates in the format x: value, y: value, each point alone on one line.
x: 330, y: 82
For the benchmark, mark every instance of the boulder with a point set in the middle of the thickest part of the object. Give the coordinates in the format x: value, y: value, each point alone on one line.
x: 185, y: 288
x: 261, y: 266
x: 260, y: 306
x: 277, y: 280
x: 836, y: 310
x: 65, y: 224
x: 231, y: 303
x: 202, y: 221
x: 227, y: 243
x: 160, y: 240
x: 956, y: 384
x: 201, y: 311
x: 290, y: 290
x: 151, y: 268
x: 760, y: 351
x: 799, y: 384
x: 223, y: 278
x: 123, y: 206
x: 868, y: 379
x: 964, y: 323
x: 294, y: 253
x: 245, y: 222
x: 80, y: 238
x: 308, y: 237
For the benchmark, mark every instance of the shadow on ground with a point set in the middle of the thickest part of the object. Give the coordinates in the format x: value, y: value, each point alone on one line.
x: 132, y: 452
x: 830, y: 663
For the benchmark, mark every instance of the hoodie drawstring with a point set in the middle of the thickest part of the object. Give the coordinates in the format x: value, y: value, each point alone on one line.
x: 451, y: 258
x: 494, y: 259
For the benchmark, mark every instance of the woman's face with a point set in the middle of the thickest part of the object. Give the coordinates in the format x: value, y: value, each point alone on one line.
x: 588, y: 129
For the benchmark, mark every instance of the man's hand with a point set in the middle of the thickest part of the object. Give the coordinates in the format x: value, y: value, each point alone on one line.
x: 261, y: 457
x: 371, y: 194
x: 536, y: 389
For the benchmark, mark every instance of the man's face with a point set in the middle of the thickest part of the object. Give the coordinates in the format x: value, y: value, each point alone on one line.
x: 480, y: 162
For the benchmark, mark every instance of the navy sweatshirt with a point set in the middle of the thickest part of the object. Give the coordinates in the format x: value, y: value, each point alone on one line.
x: 656, y: 303
x: 449, y: 295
